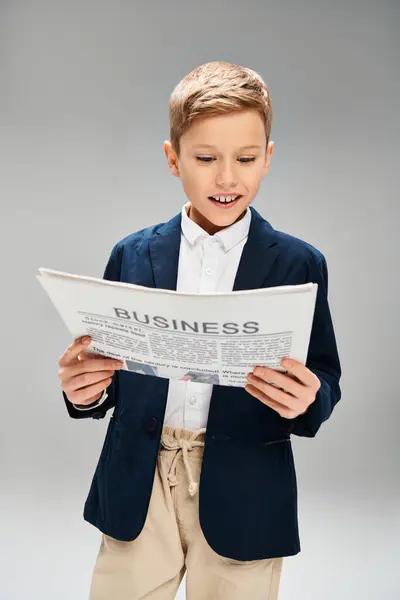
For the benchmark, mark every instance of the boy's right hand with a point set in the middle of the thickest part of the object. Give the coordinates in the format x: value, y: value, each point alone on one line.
x: 85, y: 378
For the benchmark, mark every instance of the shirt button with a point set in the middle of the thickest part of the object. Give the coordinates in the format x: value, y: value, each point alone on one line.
x: 192, y: 400
x: 208, y: 271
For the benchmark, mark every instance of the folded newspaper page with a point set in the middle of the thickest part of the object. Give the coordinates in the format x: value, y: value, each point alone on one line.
x: 215, y: 338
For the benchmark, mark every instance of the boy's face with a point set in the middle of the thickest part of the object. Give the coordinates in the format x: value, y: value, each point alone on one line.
x: 227, y: 166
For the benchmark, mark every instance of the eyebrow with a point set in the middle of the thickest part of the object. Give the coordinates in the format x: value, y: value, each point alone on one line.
x: 241, y: 147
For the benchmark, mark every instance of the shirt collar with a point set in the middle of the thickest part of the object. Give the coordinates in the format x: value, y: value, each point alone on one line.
x: 228, y: 237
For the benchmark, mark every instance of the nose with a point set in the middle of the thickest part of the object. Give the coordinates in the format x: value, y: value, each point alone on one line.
x: 226, y: 175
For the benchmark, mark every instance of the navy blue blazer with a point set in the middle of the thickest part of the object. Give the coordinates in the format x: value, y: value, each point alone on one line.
x: 248, y: 486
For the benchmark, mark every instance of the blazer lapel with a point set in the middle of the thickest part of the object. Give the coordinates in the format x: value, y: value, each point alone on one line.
x: 164, y: 248
x: 258, y: 254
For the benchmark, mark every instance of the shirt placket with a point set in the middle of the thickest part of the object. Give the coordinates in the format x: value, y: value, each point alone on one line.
x: 195, y: 391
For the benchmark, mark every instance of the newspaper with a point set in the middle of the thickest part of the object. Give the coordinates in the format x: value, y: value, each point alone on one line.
x: 215, y: 338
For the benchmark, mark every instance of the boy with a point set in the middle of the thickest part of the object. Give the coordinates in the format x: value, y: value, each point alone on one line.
x: 167, y: 436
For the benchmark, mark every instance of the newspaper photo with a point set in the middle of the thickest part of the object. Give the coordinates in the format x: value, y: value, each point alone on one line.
x: 215, y: 338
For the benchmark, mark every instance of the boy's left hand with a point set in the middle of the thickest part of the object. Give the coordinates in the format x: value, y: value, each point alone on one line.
x: 297, y: 394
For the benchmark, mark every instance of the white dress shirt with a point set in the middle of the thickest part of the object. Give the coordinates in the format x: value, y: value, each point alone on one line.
x: 207, y: 263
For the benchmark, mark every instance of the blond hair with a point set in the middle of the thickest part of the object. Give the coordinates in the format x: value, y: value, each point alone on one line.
x: 215, y: 88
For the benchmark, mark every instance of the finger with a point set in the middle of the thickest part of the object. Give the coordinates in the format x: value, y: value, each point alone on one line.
x: 71, y: 353
x: 95, y: 364
x: 257, y: 393
x: 65, y: 374
x: 280, y: 379
x: 272, y: 392
x: 85, y: 381
x: 303, y: 374
x: 84, y: 354
x: 284, y: 411
x: 86, y: 395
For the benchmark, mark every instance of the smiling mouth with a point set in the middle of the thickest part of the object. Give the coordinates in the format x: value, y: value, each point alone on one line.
x: 224, y: 202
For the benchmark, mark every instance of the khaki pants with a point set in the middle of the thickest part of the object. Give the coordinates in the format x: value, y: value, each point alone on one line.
x: 152, y: 566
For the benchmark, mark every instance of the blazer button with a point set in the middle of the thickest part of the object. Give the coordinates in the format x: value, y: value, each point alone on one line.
x: 152, y: 424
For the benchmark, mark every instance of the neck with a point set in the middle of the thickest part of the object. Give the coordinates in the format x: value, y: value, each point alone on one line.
x: 204, y: 223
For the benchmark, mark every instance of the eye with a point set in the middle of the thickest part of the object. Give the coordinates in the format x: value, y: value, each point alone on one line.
x: 207, y: 159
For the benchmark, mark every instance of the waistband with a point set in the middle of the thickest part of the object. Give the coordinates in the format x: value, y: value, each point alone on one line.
x: 177, y: 438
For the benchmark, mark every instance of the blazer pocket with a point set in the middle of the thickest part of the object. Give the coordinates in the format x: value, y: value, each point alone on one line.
x: 280, y: 441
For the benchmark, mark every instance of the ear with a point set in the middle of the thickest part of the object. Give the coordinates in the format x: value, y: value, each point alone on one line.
x: 172, y: 159
x: 268, y: 154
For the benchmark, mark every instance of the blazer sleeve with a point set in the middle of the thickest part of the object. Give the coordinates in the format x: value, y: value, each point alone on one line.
x: 322, y: 358
x: 112, y: 272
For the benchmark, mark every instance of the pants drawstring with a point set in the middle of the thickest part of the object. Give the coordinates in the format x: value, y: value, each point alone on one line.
x: 185, y: 446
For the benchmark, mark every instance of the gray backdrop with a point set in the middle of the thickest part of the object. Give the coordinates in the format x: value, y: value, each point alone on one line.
x: 83, y: 117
